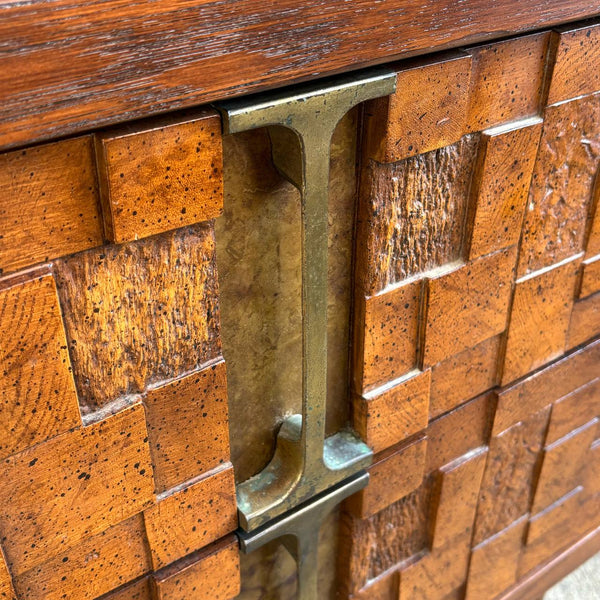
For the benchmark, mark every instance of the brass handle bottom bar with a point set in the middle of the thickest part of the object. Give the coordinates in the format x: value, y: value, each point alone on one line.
x: 299, y: 532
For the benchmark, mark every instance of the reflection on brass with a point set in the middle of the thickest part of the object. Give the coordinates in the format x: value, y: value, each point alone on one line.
x: 305, y: 463
x: 299, y: 532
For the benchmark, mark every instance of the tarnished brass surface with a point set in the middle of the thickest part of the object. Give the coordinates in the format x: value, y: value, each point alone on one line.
x: 304, y: 463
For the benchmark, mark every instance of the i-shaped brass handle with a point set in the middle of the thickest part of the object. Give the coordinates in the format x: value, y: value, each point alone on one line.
x: 305, y: 463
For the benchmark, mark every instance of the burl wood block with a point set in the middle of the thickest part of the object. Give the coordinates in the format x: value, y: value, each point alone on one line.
x: 188, y: 426
x: 539, y: 319
x: 160, y: 177
x: 37, y: 391
x: 501, y: 185
x: 192, y: 517
x: 75, y: 485
x: 391, y: 414
x: 561, y: 190
x: 575, y: 71
x: 211, y: 574
x: 507, y: 80
x: 467, y: 305
x: 140, y: 313
x: 48, y: 203
x: 92, y: 567
x: 426, y: 112
x: 386, y: 330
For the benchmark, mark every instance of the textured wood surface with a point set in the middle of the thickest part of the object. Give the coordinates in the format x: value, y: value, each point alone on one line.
x: 134, y: 59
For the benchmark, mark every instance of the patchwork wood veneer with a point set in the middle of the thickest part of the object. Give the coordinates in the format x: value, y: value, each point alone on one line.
x: 474, y: 358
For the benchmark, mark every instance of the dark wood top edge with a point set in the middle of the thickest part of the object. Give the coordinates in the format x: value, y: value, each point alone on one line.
x: 70, y: 66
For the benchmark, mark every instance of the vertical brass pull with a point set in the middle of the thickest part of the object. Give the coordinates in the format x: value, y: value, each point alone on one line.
x: 305, y: 464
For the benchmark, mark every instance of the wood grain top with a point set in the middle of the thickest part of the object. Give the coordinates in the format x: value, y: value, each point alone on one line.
x: 72, y: 65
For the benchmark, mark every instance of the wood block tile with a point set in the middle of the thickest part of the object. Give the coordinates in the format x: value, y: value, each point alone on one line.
x: 574, y: 410
x: 92, y: 567
x: 494, y: 563
x: 577, y: 55
x: 463, y: 376
x: 160, y: 177
x: 386, y: 336
x: 7, y: 591
x: 383, y: 588
x: 562, y: 466
x: 593, y: 238
x: 149, y: 312
x: 561, y: 185
x: 501, y: 185
x: 188, y: 426
x: 585, y: 321
x: 508, y: 480
x: 460, y: 431
x: 467, y: 306
x: 138, y: 590
x: 390, y: 479
x: 535, y: 392
x: 211, y: 574
x: 426, y: 112
x: 539, y: 319
x: 37, y: 391
x: 48, y: 203
x: 590, y: 278
x: 412, y: 214
x: 391, y: 414
x: 507, y: 80
x: 192, y: 517
x: 73, y: 486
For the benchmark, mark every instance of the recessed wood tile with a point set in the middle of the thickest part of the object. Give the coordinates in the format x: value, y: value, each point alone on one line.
x: 386, y: 336
x: 561, y: 185
x: 501, y: 185
x: 390, y: 479
x: 92, y: 567
x: 37, y: 392
x: 427, y: 110
x: 575, y: 70
x: 48, y: 203
x: 192, y: 517
x: 539, y: 319
x: 73, y: 486
x: 160, y: 176
x: 388, y: 415
x: 188, y: 426
x: 463, y: 376
x: 140, y: 313
x: 535, y: 392
x: 507, y: 80
x: 383, y: 588
x: 585, y: 321
x: 467, y: 306
x: 211, y: 574
x: 590, y: 277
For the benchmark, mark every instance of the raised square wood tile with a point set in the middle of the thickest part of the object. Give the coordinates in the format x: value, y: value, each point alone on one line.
x: 73, y: 486
x: 92, y: 567
x: 467, y: 306
x: 391, y: 414
x: 501, y: 185
x: 426, y: 112
x: 48, y: 203
x: 140, y: 313
x: 539, y: 390
x: 391, y: 478
x: 192, y: 517
x: 585, y: 321
x: 507, y: 80
x: 211, y: 574
x: 386, y: 336
x: 561, y: 185
x: 161, y: 177
x: 37, y: 392
x: 463, y: 376
x: 188, y: 426
x: 575, y: 71
x: 539, y: 319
